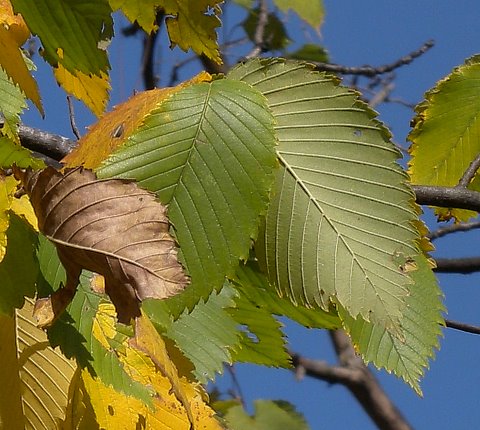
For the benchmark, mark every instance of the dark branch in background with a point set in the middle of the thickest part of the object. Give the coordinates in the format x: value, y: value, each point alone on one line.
x: 370, y: 71
x: 462, y: 327
x: 453, y: 228
x: 259, y: 36
x: 458, y: 265
x: 150, y: 79
x: 356, y: 376
x: 447, y: 197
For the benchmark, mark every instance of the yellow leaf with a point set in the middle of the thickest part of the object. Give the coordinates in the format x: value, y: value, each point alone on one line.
x: 91, y: 89
x: 80, y: 414
x: 192, y: 24
x: 13, y: 22
x: 24, y: 209
x: 142, y: 11
x: 114, y: 128
x: 7, y: 188
x: 104, y: 324
x: 177, y: 402
x: 34, y: 377
x: 12, y: 61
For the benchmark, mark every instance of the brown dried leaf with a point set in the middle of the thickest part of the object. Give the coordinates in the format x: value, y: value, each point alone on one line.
x: 111, y: 227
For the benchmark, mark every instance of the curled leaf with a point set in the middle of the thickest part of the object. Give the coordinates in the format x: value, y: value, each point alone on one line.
x: 111, y: 227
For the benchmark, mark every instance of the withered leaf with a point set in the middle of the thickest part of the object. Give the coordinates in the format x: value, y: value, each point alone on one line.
x: 111, y: 227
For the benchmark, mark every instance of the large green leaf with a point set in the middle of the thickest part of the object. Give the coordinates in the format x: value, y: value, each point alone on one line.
x: 406, y: 355
x: 73, y: 331
x: 254, y: 285
x: 71, y: 31
x: 341, y: 222
x: 206, y: 335
x: 209, y: 153
x: 18, y: 269
x: 34, y: 377
x: 12, y: 104
x: 446, y: 136
x: 12, y: 153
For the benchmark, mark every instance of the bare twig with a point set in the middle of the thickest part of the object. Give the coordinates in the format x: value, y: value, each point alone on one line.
x: 49, y: 144
x: 458, y: 265
x: 259, y: 36
x: 356, y: 376
x: 463, y: 327
x: 453, y: 228
x: 470, y: 172
x: 71, y: 115
x: 447, y: 197
x: 371, y: 71
x: 237, y: 389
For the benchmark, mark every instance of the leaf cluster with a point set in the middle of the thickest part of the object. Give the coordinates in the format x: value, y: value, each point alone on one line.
x: 189, y: 218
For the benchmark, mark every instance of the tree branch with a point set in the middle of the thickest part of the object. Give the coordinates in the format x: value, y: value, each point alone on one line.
x: 370, y: 71
x: 470, y: 172
x: 463, y: 327
x: 447, y: 197
x: 453, y: 228
x: 356, y: 376
x: 259, y: 36
x: 457, y: 265
x: 49, y: 144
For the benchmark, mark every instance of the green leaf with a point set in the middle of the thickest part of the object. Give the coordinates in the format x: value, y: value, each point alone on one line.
x: 263, y: 341
x: 342, y: 208
x: 269, y: 415
x: 73, y: 330
x: 142, y: 11
x: 209, y: 153
x: 193, y: 25
x: 254, y: 286
x: 311, y: 11
x: 406, y: 355
x: 310, y: 52
x: 276, y: 37
x: 206, y: 335
x: 12, y: 104
x: 72, y: 32
x: 12, y: 153
x: 19, y: 267
x: 446, y: 135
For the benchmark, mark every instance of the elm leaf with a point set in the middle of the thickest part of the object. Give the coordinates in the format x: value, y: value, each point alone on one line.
x: 111, y: 227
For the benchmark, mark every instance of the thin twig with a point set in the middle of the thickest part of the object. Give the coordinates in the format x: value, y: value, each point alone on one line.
x: 470, y: 172
x: 457, y: 265
x: 71, y: 115
x: 259, y: 36
x: 463, y: 327
x: 236, y: 385
x: 453, y: 228
x: 371, y: 71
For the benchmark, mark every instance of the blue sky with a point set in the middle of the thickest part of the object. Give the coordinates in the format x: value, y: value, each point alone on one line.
x: 355, y: 33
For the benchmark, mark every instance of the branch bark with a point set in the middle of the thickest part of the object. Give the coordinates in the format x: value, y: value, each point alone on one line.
x: 355, y: 375
x: 370, y: 71
x: 447, y: 197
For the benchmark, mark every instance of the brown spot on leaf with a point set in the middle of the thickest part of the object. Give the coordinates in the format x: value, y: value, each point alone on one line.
x: 111, y: 227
